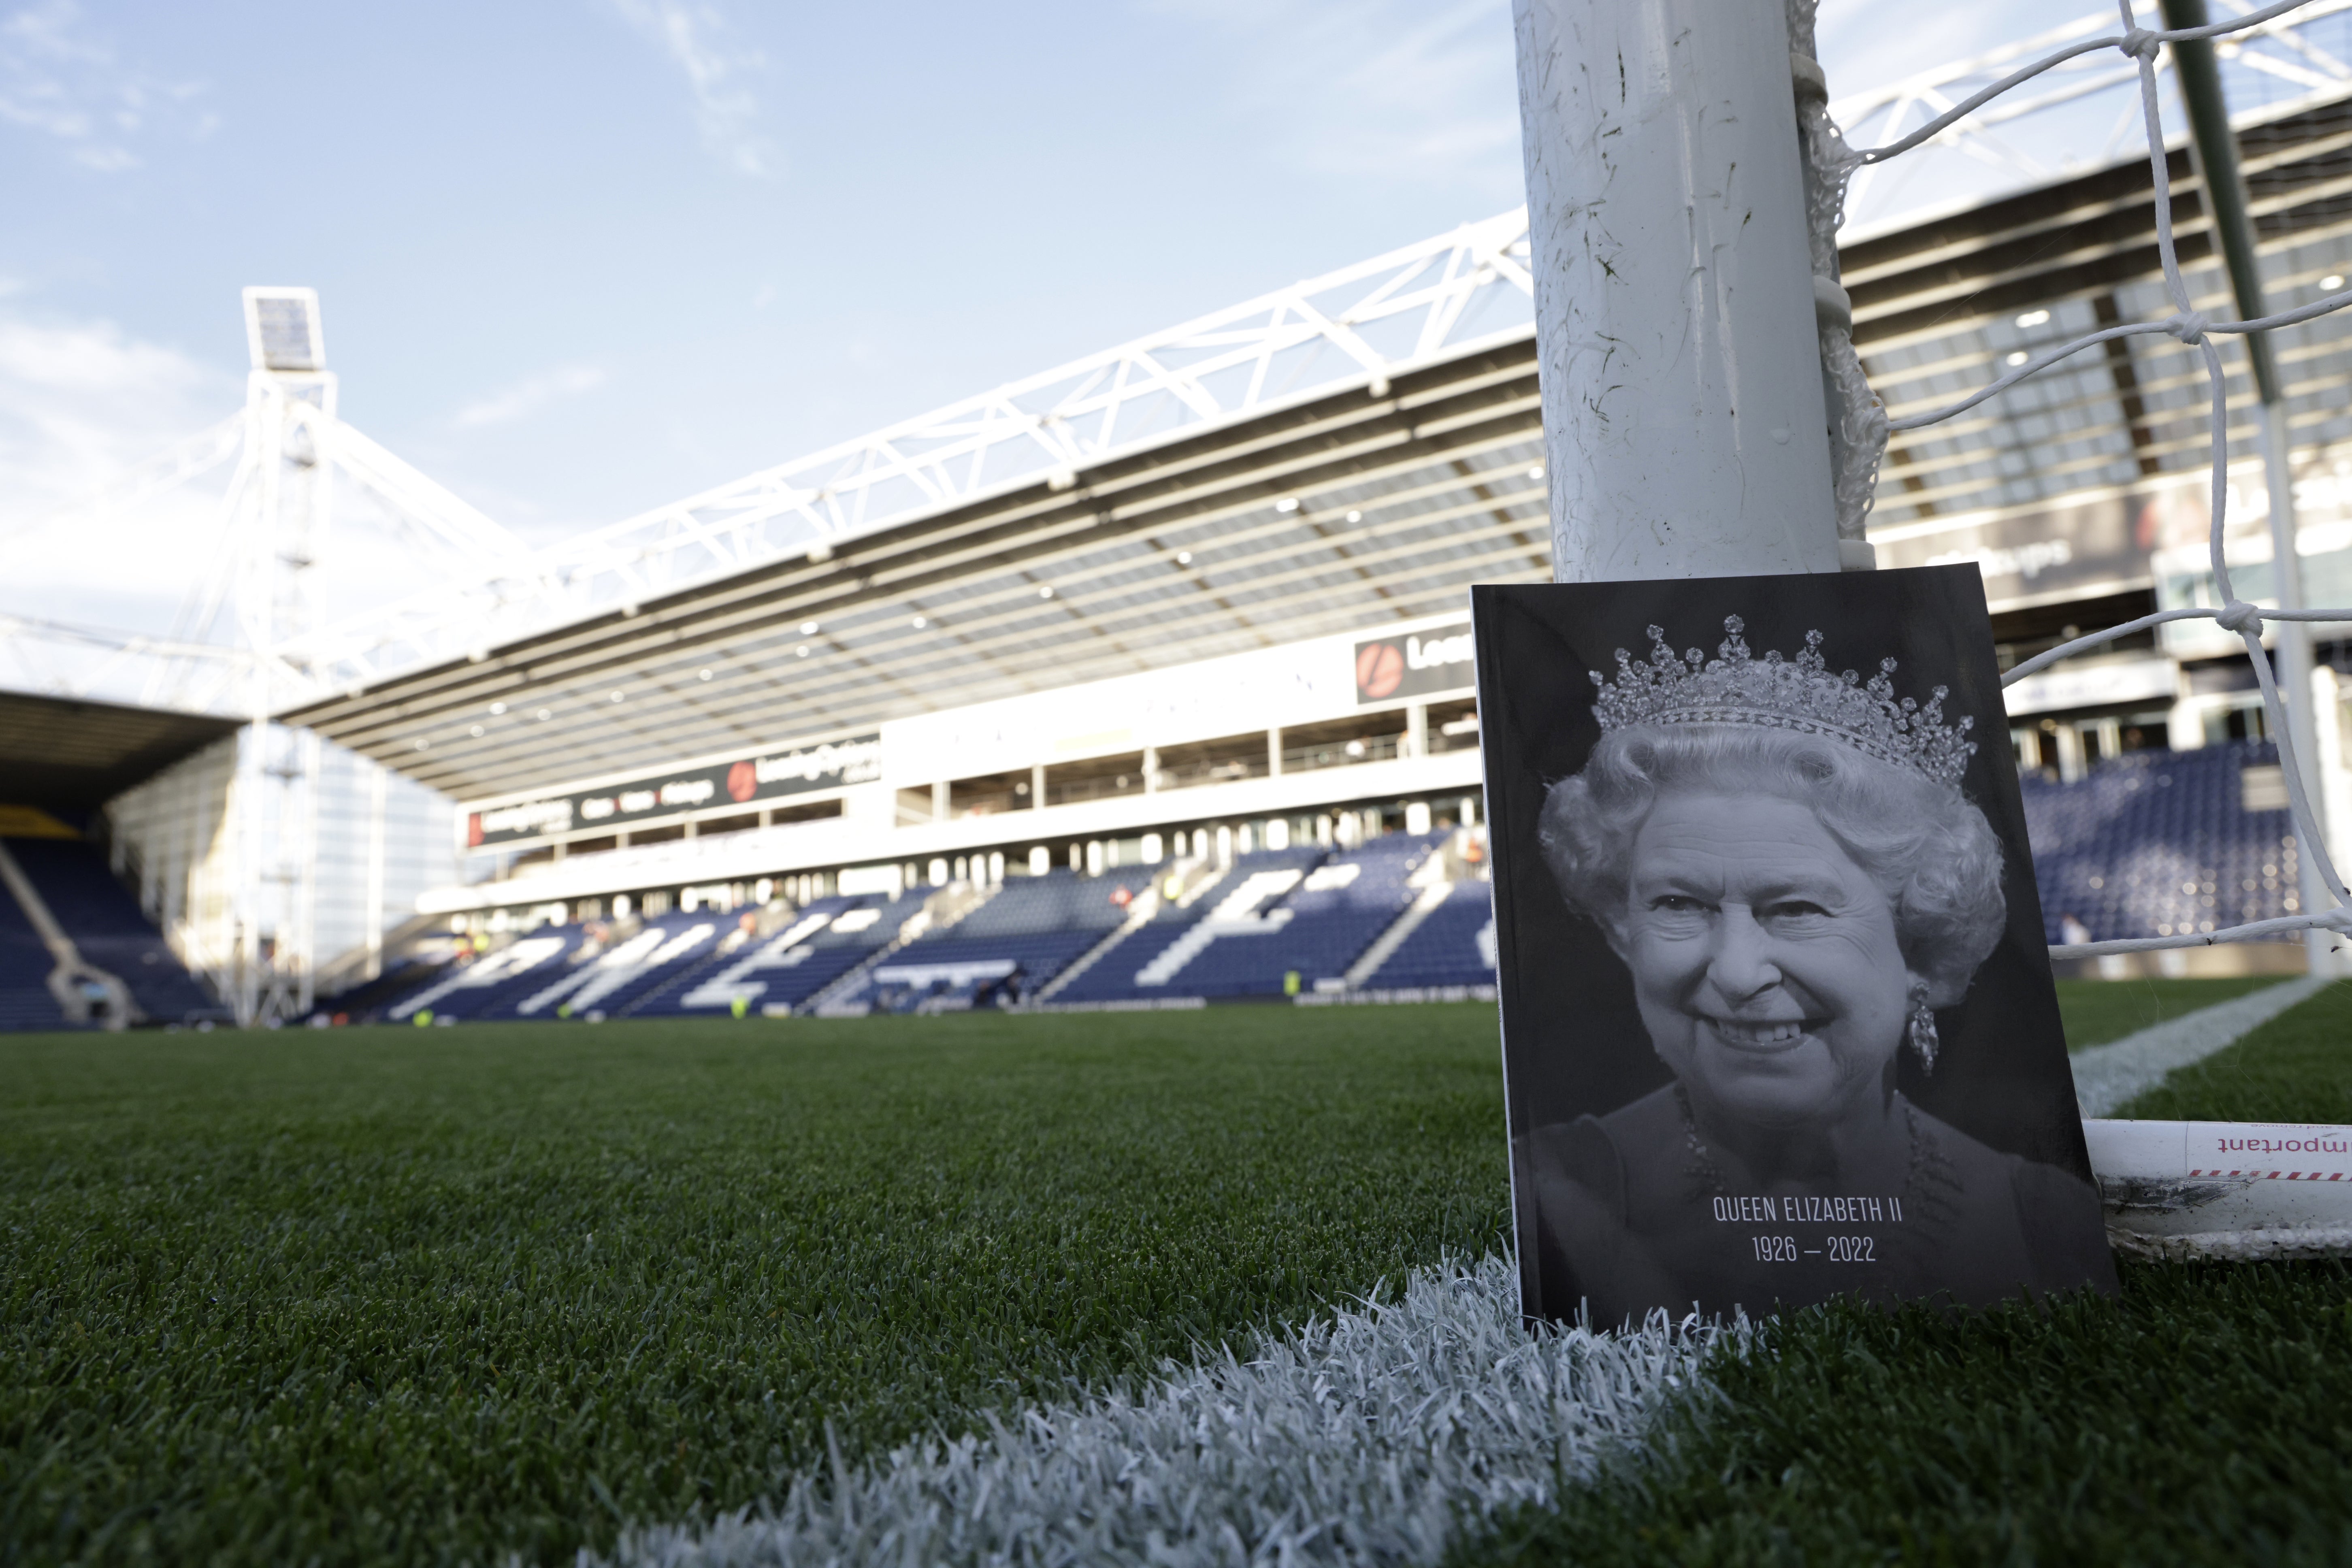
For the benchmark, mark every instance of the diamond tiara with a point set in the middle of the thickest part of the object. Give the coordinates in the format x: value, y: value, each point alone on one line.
x: 1774, y: 693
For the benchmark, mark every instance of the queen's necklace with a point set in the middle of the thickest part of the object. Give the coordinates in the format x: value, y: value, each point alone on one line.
x: 1704, y: 1167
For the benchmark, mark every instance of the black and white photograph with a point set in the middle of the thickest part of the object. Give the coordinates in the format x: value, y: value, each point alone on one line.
x: 1779, y: 1021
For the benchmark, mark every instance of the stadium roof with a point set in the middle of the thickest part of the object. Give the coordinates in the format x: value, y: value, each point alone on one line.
x: 1360, y: 505
x: 1343, y: 510
x: 70, y: 755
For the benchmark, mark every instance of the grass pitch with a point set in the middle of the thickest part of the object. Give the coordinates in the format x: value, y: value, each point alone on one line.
x: 407, y: 1295
x: 2297, y: 1068
x: 379, y: 1296
x: 2203, y: 1416
x: 2098, y: 1011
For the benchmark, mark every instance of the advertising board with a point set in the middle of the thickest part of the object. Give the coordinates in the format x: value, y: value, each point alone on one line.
x: 743, y: 780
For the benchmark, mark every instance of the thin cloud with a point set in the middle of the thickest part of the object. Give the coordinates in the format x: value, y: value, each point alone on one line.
x: 527, y: 398
x: 696, y: 39
x: 58, y: 82
x: 81, y: 402
x: 1400, y: 91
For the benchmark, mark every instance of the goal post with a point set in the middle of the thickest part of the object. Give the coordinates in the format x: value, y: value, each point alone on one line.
x: 1685, y: 431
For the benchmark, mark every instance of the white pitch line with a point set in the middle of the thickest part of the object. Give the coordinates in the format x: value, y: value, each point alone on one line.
x: 2109, y: 1076
x: 1374, y: 1437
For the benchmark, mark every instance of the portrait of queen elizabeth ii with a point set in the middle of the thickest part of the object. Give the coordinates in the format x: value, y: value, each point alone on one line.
x: 1783, y: 861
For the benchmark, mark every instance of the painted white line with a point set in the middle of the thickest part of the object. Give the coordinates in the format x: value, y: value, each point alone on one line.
x: 2109, y: 1076
x: 1376, y: 1435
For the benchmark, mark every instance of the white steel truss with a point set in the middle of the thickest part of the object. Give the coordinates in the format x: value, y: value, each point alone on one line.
x: 1365, y: 323
x: 2283, y: 49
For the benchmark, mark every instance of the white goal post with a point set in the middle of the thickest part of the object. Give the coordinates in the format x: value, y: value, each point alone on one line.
x: 1704, y: 414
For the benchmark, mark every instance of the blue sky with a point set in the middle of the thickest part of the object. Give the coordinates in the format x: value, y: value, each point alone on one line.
x: 581, y: 256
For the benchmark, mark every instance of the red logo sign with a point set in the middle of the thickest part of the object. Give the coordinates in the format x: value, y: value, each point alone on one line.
x: 473, y: 829
x: 742, y: 783
x: 1379, y: 670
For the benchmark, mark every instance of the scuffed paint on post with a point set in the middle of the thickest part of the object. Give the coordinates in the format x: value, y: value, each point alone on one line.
x: 1684, y: 422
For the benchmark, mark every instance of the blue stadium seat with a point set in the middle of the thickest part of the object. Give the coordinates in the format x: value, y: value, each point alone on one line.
x: 1454, y: 945
x: 817, y: 946
x: 607, y: 982
x: 2155, y: 843
x: 480, y: 986
x: 25, y: 965
x: 108, y: 928
x: 1310, y: 912
x: 1028, y: 931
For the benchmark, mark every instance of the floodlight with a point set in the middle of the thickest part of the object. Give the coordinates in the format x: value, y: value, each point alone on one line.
x: 282, y: 329
x: 2332, y: 282
x: 1287, y: 503
x: 2033, y: 319
x: 1183, y: 558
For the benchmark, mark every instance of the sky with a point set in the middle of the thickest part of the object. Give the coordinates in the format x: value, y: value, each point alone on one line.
x: 580, y: 258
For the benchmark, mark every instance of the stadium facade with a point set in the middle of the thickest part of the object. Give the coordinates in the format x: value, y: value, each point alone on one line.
x: 1246, y: 633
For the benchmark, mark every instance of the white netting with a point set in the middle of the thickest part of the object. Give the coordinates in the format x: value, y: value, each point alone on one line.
x: 1860, y: 425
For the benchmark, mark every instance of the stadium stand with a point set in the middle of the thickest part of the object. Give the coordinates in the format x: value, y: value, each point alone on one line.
x: 369, y: 1001
x: 625, y: 971
x: 106, y: 925
x: 1277, y: 913
x: 478, y: 987
x: 1014, y: 945
x: 2163, y: 842
x: 1337, y: 911
x: 764, y: 970
x: 25, y: 965
x: 817, y: 947
x: 1453, y: 945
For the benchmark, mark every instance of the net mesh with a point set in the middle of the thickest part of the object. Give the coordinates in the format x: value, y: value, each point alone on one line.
x: 1859, y: 426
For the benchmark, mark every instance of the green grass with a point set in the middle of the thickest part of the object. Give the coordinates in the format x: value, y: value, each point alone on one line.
x: 2205, y: 1416
x: 423, y: 1296
x: 2296, y: 1067
x: 2098, y: 1011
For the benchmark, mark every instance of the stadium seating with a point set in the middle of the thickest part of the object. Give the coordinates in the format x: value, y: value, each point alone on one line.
x: 1275, y: 913
x: 25, y: 965
x: 825, y: 940
x: 1453, y: 945
x: 2153, y: 843
x: 480, y: 986
x: 626, y: 970
x: 106, y: 924
x: 1028, y: 931
x: 366, y: 1001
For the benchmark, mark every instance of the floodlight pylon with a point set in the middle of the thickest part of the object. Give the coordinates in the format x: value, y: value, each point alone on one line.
x: 266, y: 974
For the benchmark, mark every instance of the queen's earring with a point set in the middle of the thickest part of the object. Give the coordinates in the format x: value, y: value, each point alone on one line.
x: 1923, y: 1030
